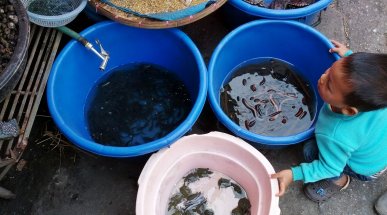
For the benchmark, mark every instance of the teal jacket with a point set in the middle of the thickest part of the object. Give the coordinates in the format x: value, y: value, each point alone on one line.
x: 359, y: 141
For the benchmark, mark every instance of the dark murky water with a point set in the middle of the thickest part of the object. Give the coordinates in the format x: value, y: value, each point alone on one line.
x: 206, y: 192
x: 136, y: 104
x: 51, y: 7
x: 268, y: 97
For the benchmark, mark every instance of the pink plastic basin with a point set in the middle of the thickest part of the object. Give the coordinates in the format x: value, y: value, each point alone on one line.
x: 217, y: 151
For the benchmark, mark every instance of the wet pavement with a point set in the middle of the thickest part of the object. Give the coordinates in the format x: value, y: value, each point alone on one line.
x: 59, y: 179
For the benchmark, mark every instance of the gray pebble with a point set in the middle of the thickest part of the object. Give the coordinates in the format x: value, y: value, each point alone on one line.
x: 11, y: 25
x: 13, y: 18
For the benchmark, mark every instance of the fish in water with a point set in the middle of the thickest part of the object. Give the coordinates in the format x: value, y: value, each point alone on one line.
x: 6, y: 194
x: 290, y: 4
x: 9, y: 130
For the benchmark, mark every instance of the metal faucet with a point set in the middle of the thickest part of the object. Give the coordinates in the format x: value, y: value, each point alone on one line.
x: 102, y: 54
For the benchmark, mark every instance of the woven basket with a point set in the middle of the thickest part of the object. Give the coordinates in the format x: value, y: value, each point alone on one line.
x: 141, y: 22
x: 57, y: 20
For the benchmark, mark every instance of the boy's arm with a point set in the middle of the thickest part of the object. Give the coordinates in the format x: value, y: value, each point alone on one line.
x: 333, y: 157
x: 340, y: 49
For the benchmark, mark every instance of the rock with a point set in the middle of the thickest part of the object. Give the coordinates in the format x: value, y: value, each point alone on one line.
x: 8, y: 32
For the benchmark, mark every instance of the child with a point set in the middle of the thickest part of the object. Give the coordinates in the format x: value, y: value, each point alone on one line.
x: 351, y: 130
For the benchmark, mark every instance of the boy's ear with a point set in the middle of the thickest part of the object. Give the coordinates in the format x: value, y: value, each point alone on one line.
x: 350, y: 111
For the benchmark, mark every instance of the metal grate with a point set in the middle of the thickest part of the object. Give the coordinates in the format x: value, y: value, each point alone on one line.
x: 24, y: 100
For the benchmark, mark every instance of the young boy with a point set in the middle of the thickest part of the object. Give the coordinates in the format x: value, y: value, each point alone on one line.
x: 351, y: 130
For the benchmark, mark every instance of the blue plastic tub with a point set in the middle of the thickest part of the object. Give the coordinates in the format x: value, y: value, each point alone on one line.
x: 302, y: 46
x: 239, y: 12
x: 75, y: 72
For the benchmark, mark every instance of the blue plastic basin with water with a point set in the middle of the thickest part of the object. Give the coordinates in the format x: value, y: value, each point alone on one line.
x: 75, y: 72
x: 239, y: 12
x: 291, y: 41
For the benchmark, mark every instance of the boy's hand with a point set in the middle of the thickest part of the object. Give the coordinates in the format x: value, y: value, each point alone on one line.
x: 285, y: 177
x: 339, y: 48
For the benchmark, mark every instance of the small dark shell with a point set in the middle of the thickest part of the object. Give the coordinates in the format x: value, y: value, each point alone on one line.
x: 244, y: 204
x: 284, y: 119
x: 303, y: 114
x: 262, y: 82
x: 258, y: 109
x: 244, y: 82
x: 223, y: 183
x: 247, y: 125
x: 236, y: 188
x: 185, y: 191
x: 208, y: 212
x: 299, y: 112
x: 275, y: 113
x: 253, y: 88
x: 251, y: 123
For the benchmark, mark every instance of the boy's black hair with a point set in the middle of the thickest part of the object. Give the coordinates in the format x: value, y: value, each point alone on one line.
x: 367, y: 75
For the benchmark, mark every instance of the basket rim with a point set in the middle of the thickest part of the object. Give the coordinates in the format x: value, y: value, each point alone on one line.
x: 21, y: 49
x: 142, y: 22
x: 57, y: 18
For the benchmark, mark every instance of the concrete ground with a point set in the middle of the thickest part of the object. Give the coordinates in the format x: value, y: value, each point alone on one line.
x: 58, y: 179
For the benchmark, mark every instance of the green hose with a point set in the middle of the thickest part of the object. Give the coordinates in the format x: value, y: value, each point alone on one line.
x: 72, y: 34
